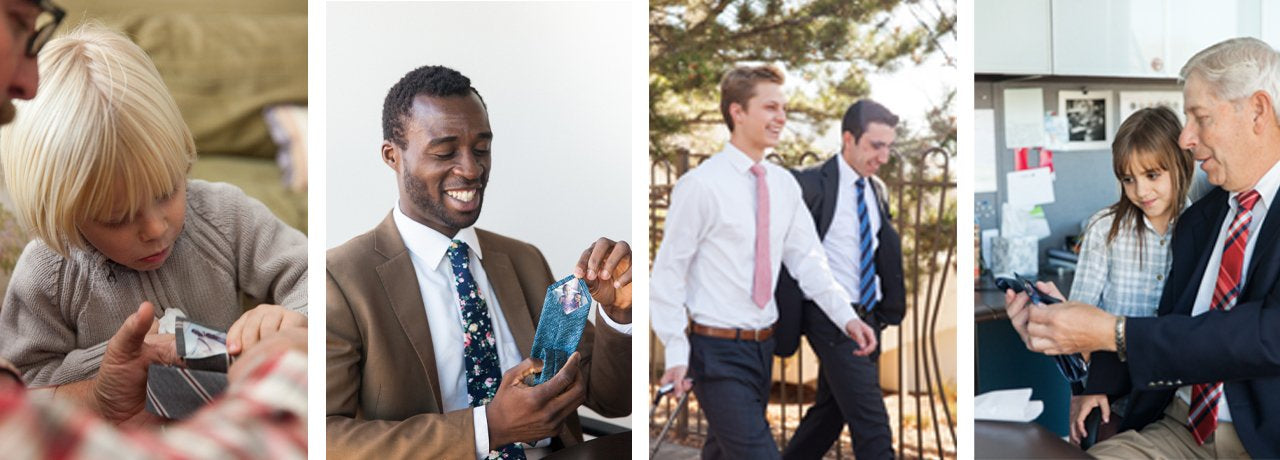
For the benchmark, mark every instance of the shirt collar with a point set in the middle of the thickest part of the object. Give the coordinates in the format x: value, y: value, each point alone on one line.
x: 848, y: 175
x: 737, y: 158
x: 429, y: 244
x: 1266, y: 188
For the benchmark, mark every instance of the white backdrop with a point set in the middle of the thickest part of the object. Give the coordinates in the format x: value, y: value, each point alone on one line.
x: 556, y: 80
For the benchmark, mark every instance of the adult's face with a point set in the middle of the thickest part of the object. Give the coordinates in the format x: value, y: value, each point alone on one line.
x: 760, y: 123
x: 17, y: 70
x: 870, y: 151
x: 1220, y: 134
x: 444, y: 167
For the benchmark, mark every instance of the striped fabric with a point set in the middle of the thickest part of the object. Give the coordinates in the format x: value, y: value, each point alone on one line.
x: 1202, y: 419
x: 261, y: 416
x: 867, y: 266
x: 175, y: 392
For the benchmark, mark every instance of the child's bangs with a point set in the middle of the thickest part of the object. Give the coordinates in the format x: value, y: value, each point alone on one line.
x: 144, y: 162
x: 1141, y: 161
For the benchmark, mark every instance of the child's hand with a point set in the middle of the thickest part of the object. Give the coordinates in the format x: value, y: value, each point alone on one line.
x: 260, y: 323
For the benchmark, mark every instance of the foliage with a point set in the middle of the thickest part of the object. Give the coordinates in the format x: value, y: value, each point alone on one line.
x: 829, y: 44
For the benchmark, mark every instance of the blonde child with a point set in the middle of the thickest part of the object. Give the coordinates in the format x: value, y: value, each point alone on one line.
x: 97, y: 167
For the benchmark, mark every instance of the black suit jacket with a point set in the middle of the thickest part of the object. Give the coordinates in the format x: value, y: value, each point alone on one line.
x: 1240, y: 347
x: 818, y: 185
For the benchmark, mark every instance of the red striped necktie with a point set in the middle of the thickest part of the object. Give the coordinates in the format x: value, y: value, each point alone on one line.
x: 1203, y: 418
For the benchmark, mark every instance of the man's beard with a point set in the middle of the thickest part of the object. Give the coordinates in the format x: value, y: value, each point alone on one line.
x: 7, y: 112
x: 435, y: 207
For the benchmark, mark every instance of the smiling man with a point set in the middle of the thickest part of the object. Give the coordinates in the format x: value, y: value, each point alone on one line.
x: 850, y: 209
x: 430, y: 318
x: 733, y: 221
x: 1203, y: 376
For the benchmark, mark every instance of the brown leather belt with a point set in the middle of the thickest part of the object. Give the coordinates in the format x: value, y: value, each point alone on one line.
x: 754, y: 335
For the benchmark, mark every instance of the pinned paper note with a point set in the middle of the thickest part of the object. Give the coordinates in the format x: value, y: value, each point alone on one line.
x: 1030, y: 187
x: 1023, y: 117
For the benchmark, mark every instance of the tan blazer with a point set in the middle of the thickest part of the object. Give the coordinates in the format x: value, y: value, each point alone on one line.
x: 383, y: 400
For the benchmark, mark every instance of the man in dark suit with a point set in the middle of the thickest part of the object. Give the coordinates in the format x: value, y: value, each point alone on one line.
x: 850, y: 209
x: 1203, y: 377
x: 430, y: 320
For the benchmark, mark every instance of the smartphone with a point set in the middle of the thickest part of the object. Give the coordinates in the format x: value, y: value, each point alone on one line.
x: 1072, y: 367
x: 1021, y: 284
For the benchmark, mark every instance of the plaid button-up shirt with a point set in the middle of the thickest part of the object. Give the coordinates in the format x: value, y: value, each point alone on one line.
x: 261, y: 416
x: 1117, y: 277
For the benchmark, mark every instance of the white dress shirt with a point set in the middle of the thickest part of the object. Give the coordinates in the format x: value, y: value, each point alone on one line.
x: 1266, y: 188
x: 842, y: 242
x: 704, y: 269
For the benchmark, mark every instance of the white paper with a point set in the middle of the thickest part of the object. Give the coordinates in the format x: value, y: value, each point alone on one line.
x: 1007, y: 406
x: 984, y: 148
x: 168, y: 322
x: 1132, y: 101
x: 1029, y: 187
x: 1023, y: 117
x: 1055, y: 127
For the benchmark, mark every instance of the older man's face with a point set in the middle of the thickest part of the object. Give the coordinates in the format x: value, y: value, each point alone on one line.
x: 444, y: 167
x: 17, y: 70
x: 1218, y: 133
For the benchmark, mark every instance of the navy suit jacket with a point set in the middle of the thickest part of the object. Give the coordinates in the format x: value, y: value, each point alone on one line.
x: 818, y: 187
x: 1240, y: 347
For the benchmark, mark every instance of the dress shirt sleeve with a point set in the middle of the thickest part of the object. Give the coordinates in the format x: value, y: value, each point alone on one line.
x: 805, y: 258
x: 685, y: 226
x: 1093, y: 265
x: 481, y: 420
x: 623, y: 328
x: 261, y: 416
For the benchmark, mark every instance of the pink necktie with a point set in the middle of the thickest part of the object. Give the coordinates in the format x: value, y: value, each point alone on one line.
x: 762, y: 289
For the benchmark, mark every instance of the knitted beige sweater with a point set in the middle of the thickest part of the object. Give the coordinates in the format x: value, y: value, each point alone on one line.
x: 59, y: 312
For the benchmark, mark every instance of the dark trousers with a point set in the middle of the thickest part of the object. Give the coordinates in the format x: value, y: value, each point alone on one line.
x: 731, y: 380
x: 848, y: 393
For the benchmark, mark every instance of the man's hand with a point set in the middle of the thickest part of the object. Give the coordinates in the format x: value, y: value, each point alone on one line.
x: 259, y: 323
x: 1071, y: 327
x: 1081, y: 407
x: 1017, y: 306
x: 606, y: 266
x: 676, y: 375
x: 121, y: 386
x: 863, y: 335
x: 519, y: 412
x: 288, y: 338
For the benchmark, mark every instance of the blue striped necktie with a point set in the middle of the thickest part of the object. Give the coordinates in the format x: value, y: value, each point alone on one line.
x: 480, y: 347
x: 867, y: 264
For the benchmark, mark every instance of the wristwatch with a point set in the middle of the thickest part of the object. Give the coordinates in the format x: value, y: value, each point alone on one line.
x: 1120, y: 345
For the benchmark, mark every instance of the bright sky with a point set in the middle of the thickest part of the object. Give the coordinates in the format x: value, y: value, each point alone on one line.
x: 911, y: 90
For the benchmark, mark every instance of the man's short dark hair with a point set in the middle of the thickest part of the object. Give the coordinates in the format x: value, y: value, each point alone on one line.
x: 432, y: 81
x: 864, y: 112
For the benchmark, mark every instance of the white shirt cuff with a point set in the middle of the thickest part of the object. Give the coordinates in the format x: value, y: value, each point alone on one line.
x: 677, y: 352
x: 623, y: 328
x: 480, y: 420
x: 841, y: 317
